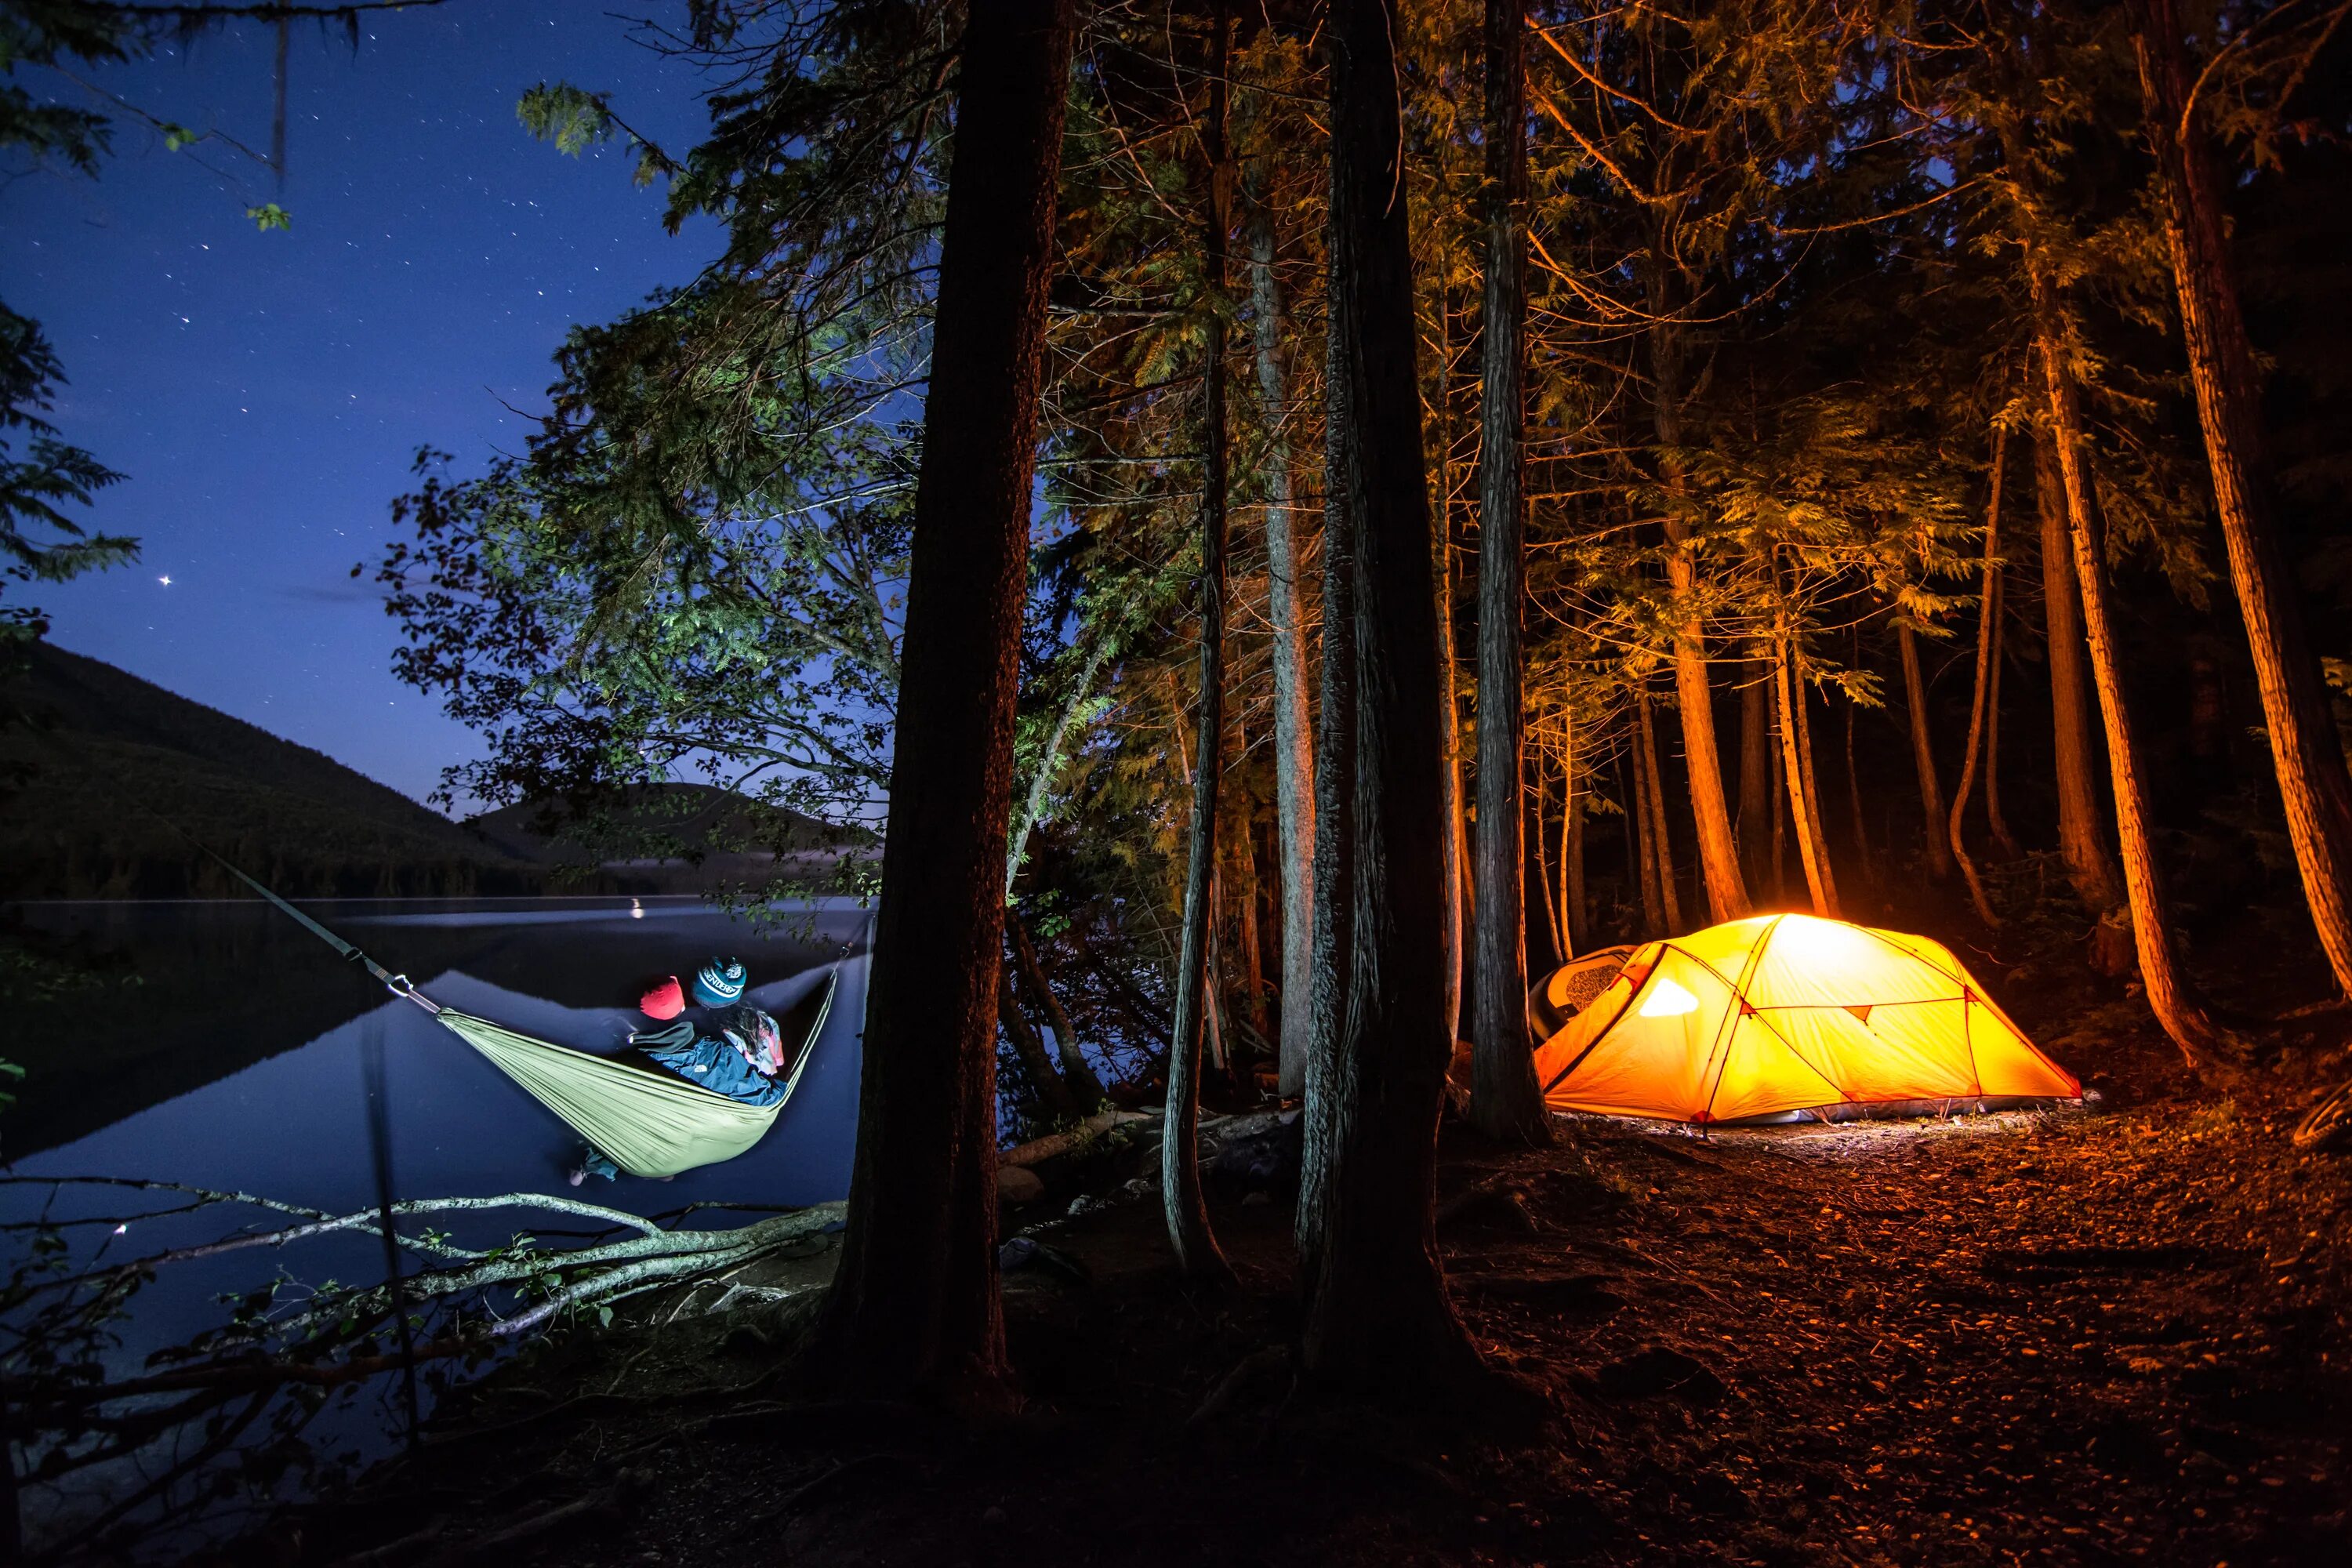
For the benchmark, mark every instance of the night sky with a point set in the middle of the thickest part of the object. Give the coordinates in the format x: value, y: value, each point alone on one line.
x: 265, y: 393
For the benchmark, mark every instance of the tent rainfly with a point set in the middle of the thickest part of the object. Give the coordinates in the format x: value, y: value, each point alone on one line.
x: 1776, y: 1014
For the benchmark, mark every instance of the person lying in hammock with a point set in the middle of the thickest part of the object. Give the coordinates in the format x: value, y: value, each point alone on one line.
x: 723, y: 1044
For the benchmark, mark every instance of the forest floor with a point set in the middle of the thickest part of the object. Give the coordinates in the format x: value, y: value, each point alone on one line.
x: 2070, y: 1338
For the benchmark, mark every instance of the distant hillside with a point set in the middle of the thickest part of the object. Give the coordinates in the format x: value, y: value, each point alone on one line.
x: 114, y: 752
x: 676, y: 838
x: 114, y: 755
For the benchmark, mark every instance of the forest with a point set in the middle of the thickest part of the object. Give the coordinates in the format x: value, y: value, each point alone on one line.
x: 1304, y: 526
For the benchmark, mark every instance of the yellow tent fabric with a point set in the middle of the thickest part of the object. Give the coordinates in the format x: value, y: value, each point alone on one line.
x: 648, y: 1122
x: 1783, y: 1013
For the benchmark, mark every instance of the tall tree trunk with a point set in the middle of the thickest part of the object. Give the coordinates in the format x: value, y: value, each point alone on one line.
x: 2306, y: 749
x: 1337, y: 745
x: 1076, y: 1070
x: 1293, y: 739
x: 1377, y: 1316
x: 2170, y: 994
x: 1662, y: 840
x: 1781, y: 807
x: 1988, y: 619
x: 1554, y: 922
x: 2098, y: 883
x: 1812, y: 847
x: 1756, y: 771
x: 1504, y: 1102
x: 1718, y: 846
x: 1571, y: 893
x: 1923, y: 752
x: 1181, y: 1205
x: 1809, y: 781
x: 1637, y: 813
x: 914, y: 1305
x: 1450, y: 716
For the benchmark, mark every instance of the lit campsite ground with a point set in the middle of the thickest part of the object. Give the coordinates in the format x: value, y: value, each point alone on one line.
x: 2058, y: 1338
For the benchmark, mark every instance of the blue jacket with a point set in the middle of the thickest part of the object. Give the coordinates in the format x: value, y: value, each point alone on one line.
x: 700, y: 1051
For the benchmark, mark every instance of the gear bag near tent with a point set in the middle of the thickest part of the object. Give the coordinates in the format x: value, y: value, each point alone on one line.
x: 1778, y: 1015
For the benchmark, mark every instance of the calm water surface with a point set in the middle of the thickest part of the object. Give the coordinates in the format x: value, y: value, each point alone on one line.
x: 239, y: 1062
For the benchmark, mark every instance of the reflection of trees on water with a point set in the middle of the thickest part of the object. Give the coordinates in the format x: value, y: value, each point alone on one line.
x: 219, y: 1428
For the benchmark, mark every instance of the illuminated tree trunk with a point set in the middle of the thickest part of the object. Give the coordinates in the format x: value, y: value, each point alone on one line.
x: 2169, y: 995
x: 1718, y: 846
x: 1450, y: 721
x: 1294, y: 756
x: 1504, y: 1102
x: 1572, y: 895
x: 1186, y: 1213
x: 1923, y: 752
x: 2082, y: 845
x: 1661, y: 843
x: 1988, y: 618
x: 2306, y: 749
x: 914, y: 1305
x: 1376, y: 1313
x: 1644, y: 836
x: 1811, y: 849
x: 1553, y: 919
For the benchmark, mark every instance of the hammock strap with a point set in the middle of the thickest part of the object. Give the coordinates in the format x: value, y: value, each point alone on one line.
x: 398, y: 985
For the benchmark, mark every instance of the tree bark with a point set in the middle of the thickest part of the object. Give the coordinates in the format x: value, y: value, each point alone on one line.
x: 1572, y: 897
x: 1181, y: 1205
x: 914, y: 1307
x: 1294, y: 737
x: 1504, y: 1102
x: 2170, y: 997
x: 1450, y: 719
x: 1377, y: 1317
x: 1810, y: 846
x: 1336, y: 749
x: 2305, y: 751
x: 1988, y: 617
x: 1555, y: 922
x: 1810, y: 784
x: 1076, y: 1071
x: 1718, y: 846
x: 1662, y: 840
x: 1637, y: 813
x: 1923, y: 753
x: 2096, y: 879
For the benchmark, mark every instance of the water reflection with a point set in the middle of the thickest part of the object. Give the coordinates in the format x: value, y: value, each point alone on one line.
x: 227, y: 1097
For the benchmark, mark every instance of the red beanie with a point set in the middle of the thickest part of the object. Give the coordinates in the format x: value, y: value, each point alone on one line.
x: 664, y: 1000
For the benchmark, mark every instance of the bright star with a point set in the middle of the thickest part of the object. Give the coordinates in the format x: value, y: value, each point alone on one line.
x: 165, y: 579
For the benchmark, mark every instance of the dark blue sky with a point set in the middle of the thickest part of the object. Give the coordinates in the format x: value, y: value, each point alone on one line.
x: 265, y: 393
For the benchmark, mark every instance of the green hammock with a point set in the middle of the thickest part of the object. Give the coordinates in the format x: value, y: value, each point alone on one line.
x: 645, y: 1121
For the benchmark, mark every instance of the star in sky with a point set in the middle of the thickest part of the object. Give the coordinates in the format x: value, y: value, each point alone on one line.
x: 165, y: 579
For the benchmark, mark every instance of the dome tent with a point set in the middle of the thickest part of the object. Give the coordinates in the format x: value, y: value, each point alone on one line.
x: 1779, y: 1013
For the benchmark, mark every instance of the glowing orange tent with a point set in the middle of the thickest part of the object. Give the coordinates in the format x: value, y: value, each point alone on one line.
x: 1779, y: 1013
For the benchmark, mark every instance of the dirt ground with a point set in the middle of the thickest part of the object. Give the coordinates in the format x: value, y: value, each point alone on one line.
x: 2067, y: 1338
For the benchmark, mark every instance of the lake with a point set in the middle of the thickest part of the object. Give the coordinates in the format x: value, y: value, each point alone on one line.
x: 219, y: 1045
